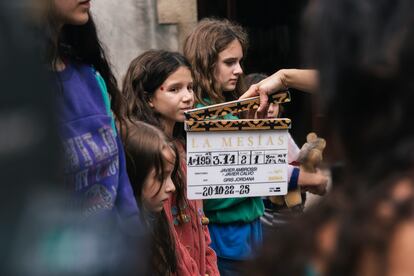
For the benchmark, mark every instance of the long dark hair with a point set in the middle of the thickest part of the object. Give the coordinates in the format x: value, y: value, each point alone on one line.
x: 80, y: 44
x: 144, y: 145
x: 364, y: 53
x: 145, y: 75
x: 202, y: 48
x: 290, y: 248
x: 334, y: 236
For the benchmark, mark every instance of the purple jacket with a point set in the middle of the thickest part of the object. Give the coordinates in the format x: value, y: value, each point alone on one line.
x: 95, y: 167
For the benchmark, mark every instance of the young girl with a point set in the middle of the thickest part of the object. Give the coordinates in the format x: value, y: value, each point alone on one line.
x: 151, y: 163
x: 95, y: 163
x: 159, y: 88
x: 215, y: 49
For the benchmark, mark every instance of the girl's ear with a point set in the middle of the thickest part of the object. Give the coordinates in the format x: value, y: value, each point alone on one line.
x: 148, y: 99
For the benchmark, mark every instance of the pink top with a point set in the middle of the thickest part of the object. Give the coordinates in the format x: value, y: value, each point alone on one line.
x: 190, y: 231
x: 192, y: 239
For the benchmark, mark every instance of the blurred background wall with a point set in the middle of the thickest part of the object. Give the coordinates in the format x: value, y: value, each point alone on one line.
x: 131, y: 27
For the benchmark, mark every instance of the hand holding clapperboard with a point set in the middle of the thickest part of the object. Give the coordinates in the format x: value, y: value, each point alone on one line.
x: 236, y: 158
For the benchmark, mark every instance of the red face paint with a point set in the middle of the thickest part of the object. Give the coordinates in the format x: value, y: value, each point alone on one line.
x: 162, y: 88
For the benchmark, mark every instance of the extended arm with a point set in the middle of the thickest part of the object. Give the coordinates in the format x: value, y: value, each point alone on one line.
x: 302, y: 79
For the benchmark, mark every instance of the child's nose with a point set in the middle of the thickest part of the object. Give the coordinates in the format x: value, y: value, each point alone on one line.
x: 238, y: 69
x: 188, y: 96
x: 170, y: 187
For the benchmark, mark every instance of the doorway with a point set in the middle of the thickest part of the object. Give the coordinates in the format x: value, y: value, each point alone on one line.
x: 274, y: 29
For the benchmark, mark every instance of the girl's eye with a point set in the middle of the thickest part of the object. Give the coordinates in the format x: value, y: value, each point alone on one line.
x: 190, y: 88
x: 175, y: 89
x: 231, y: 62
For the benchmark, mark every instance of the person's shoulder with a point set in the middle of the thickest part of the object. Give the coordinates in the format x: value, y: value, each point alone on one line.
x: 80, y: 66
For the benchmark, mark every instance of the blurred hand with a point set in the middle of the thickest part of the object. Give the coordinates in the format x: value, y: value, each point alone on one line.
x: 314, y: 183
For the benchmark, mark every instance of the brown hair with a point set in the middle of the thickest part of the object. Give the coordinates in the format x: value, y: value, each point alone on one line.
x: 144, y: 144
x: 145, y: 75
x: 254, y: 78
x: 202, y: 47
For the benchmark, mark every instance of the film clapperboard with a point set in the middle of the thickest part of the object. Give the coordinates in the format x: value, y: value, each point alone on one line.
x: 238, y: 157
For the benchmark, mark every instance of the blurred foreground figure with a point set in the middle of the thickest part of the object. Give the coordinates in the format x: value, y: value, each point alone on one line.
x: 364, y: 51
x: 28, y: 142
x: 39, y: 234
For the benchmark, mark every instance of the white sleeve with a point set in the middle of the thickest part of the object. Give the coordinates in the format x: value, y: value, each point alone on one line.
x: 293, y: 150
x: 293, y: 154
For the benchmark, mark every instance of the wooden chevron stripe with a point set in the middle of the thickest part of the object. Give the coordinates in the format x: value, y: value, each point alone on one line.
x: 233, y: 107
x: 242, y: 124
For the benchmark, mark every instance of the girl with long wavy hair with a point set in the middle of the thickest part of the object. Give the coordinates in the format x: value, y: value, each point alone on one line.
x: 152, y: 163
x: 215, y: 49
x: 158, y: 88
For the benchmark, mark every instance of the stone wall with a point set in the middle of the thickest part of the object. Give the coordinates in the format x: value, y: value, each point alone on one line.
x: 129, y: 27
